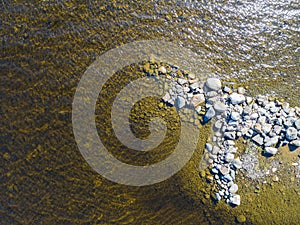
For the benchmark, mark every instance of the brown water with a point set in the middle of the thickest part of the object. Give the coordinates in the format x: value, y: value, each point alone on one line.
x: 46, y: 47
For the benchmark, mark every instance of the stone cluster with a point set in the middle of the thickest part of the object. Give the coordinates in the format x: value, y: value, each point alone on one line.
x: 266, y: 122
x: 269, y: 124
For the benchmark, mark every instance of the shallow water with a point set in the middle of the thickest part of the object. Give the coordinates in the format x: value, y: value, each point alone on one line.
x: 46, y: 48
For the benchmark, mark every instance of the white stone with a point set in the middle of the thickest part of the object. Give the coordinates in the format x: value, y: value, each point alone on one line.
x: 241, y: 90
x: 291, y: 133
x: 167, y: 97
x: 258, y: 139
x: 249, y: 100
x: 272, y: 141
x: 208, y: 147
x: 237, y: 163
x: 181, y: 81
x: 233, y: 188
x: 266, y: 128
x: 236, y: 98
x: 235, y: 116
x: 229, y: 157
x: 224, y: 170
x: 227, y: 90
x: 162, y: 69
x: 271, y: 150
x: 235, y: 199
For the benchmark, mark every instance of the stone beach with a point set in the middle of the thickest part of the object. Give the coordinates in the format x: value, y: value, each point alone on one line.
x: 266, y: 122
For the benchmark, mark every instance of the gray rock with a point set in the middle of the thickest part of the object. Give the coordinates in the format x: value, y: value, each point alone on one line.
x: 213, y: 84
x: 266, y: 128
x: 216, y: 150
x: 211, y: 94
x: 286, y: 107
x: 212, y: 156
x: 297, y: 124
x: 198, y: 109
x: 255, y: 106
x: 230, y: 135
x: 235, y: 116
x: 232, y: 149
x: 262, y: 111
x: 277, y: 129
x: 262, y: 119
x: 233, y: 188
x: 229, y: 157
x: 219, y: 107
x: 224, y: 170
x: 218, y: 134
x: 237, y: 163
x: 218, y: 125
x: 271, y: 150
x: 228, y: 178
x: 291, y: 134
x: 278, y: 121
x: 262, y: 100
x: 208, y: 147
x: 249, y: 133
x: 232, y: 174
x: 254, y: 116
x: 197, y: 99
x: 229, y: 143
x: 181, y: 81
x: 258, y: 139
x: 295, y: 143
x: 271, y: 141
x: 247, y: 110
x: 180, y: 102
x: 257, y: 127
x: 289, y: 121
x: 212, y: 100
x: 218, y: 197
x: 236, y: 98
x: 209, y: 114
